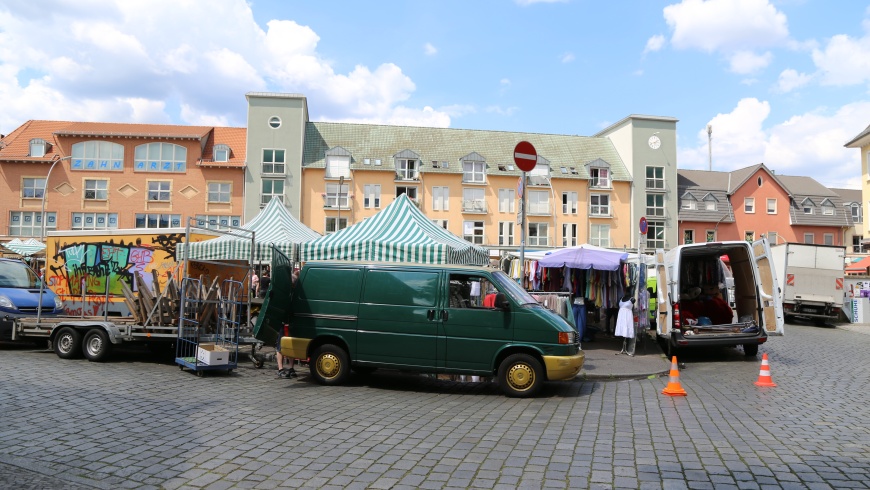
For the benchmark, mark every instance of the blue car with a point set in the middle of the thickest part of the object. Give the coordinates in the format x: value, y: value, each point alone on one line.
x: 19, y: 295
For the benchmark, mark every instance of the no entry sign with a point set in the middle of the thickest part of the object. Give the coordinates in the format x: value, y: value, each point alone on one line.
x: 525, y: 156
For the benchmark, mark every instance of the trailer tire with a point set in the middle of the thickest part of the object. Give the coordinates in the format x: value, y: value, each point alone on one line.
x: 68, y: 343
x: 96, y: 346
x: 751, y: 350
x: 520, y: 376
x: 330, y: 365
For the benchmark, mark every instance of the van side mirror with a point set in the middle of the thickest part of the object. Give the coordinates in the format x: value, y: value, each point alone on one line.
x: 502, y: 302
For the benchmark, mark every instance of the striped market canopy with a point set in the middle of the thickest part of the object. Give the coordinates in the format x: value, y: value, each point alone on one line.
x: 274, y: 225
x: 398, y: 233
x: 25, y: 248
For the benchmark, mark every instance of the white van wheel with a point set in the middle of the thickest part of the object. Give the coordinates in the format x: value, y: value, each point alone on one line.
x: 520, y: 375
x: 329, y: 365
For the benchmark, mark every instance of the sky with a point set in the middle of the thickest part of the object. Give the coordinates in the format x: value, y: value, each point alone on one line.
x: 781, y: 82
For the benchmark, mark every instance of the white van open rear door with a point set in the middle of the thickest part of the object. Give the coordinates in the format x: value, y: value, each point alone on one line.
x: 768, y: 288
x: 663, y: 300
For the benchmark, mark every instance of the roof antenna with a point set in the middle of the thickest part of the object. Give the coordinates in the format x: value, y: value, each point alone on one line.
x: 710, y: 146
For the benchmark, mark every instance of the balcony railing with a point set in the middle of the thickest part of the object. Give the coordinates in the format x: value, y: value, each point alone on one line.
x: 407, y: 175
x: 538, y: 180
x: 473, y: 206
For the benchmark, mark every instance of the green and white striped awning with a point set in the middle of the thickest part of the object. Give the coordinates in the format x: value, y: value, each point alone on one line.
x: 274, y: 225
x: 398, y: 233
x: 25, y: 248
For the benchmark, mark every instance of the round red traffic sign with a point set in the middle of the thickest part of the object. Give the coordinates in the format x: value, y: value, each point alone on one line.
x: 643, y: 225
x: 525, y: 156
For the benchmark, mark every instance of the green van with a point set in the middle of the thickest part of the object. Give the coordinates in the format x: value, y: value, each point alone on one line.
x: 452, y: 319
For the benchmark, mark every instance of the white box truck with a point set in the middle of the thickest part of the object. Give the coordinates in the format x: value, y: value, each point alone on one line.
x: 811, y: 280
x: 695, y: 283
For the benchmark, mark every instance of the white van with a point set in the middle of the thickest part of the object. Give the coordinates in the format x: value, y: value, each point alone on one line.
x: 717, y: 294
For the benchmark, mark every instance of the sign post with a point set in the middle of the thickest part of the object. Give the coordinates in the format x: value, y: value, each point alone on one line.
x: 526, y: 158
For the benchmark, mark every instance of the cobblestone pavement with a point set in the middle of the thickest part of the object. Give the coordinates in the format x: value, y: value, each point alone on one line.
x: 135, y: 423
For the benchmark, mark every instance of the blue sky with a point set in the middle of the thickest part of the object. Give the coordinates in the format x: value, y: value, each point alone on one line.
x: 781, y: 82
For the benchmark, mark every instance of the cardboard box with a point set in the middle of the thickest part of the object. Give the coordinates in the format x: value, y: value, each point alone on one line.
x: 212, y: 355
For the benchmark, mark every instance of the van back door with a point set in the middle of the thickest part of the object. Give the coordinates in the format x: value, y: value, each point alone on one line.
x: 663, y: 300
x: 768, y: 287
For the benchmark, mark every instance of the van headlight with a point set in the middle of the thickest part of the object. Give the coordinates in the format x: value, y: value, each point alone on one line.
x: 58, y: 303
x: 6, y: 302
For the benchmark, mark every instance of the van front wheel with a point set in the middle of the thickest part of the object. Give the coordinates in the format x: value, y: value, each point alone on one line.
x: 520, y: 375
x: 329, y: 365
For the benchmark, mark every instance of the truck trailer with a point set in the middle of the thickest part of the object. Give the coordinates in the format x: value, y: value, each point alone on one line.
x: 811, y: 280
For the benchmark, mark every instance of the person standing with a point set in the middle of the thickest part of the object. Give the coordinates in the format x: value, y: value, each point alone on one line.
x: 255, y: 283
x: 264, y: 284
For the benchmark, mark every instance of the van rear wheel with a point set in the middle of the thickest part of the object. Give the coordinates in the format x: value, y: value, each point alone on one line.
x: 521, y: 376
x: 751, y: 350
x: 329, y: 365
x: 68, y: 343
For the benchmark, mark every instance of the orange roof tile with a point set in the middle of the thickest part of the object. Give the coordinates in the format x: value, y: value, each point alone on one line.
x: 235, y: 138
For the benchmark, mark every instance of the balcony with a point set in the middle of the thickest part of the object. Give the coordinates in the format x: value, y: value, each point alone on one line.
x: 474, y: 206
x: 538, y: 180
x: 407, y: 175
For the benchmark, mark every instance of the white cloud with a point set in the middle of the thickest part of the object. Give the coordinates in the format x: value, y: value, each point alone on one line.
x: 127, y: 58
x: 844, y: 61
x: 654, y: 43
x: 725, y: 25
x: 745, y: 62
x: 429, y: 49
x: 501, y: 111
x: 801, y: 145
x: 566, y: 57
x: 790, y: 79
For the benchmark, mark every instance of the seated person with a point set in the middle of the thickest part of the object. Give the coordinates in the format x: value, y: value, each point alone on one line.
x: 715, y: 306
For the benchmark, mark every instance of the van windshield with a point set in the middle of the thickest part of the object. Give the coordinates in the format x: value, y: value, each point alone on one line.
x: 512, y: 289
x: 17, y: 275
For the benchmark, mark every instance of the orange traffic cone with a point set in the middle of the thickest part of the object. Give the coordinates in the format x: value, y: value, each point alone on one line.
x: 764, y: 376
x: 674, y: 388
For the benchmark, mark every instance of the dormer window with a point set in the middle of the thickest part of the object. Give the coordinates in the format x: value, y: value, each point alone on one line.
x: 38, y: 147
x: 807, y: 206
x: 827, y: 208
x: 473, y: 168
x: 600, y: 177
x: 221, y: 153
x: 337, y: 163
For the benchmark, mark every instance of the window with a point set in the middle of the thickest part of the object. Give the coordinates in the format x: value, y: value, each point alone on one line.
x: 473, y: 200
x: 472, y: 231
x: 97, y: 190
x: 29, y: 223
x: 655, y: 178
x: 772, y: 237
x: 688, y: 203
x: 749, y: 205
x: 655, y: 205
x: 540, y: 175
x: 506, y: 233
x: 655, y: 234
x: 271, y: 188
x: 473, y: 172
x: 153, y: 220
x: 411, y: 192
x: 94, y: 221
x: 331, y: 222
x: 711, y: 236
x: 441, y: 198
x: 37, y: 147
x: 856, y: 243
x: 771, y: 206
x: 507, y: 200
x: 809, y: 238
x: 440, y: 222
x: 274, y: 122
x: 337, y: 196
x: 219, y: 191
x: 217, y: 221
x: 32, y: 187
x: 599, y: 205
x: 160, y: 157
x: 829, y: 238
x: 406, y: 169
x: 807, y: 206
x: 467, y: 291
x: 105, y: 155
x: 569, y: 234
x: 749, y: 236
x: 539, y: 202
x: 538, y: 234
x: 221, y: 153
x: 159, y: 190
x: 564, y: 170
x: 600, y: 177
x: 855, y: 209
x: 372, y: 196
x: 688, y: 236
x: 827, y: 209
x: 569, y: 203
x: 600, y: 235
x: 710, y: 205
x: 273, y: 162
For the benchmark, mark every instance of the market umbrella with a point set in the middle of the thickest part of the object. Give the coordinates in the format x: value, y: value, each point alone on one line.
x: 25, y: 248
x: 584, y: 257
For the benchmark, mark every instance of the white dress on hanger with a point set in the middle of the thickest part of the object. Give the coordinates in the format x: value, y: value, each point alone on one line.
x: 625, y: 320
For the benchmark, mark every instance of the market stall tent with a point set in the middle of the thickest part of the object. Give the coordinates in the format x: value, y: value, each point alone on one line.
x: 398, y: 233
x: 274, y: 225
x: 584, y: 256
x: 25, y: 248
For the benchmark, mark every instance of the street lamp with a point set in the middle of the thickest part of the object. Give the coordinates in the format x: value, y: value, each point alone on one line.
x: 42, y: 236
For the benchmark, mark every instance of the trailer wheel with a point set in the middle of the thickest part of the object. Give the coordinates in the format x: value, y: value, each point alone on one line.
x: 520, y: 375
x: 751, y: 350
x: 68, y: 343
x: 330, y: 365
x: 96, y: 346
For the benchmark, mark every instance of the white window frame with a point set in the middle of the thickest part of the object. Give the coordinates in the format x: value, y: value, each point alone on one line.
x: 29, y: 223
x: 329, y: 224
x: 217, y: 221
x: 220, y: 192
x: 808, y: 206
x: 337, y: 166
x: 473, y: 231
x: 688, y: 203
x: 410, y: 191
x: 265, y: 196
x: 473, y: 200
x: 440, y: 222
x: 505, y: 233
x: 599, y: 177
x: 749, y: 236
x: 473, y: 171
x: 407, y: 169
x: 37, y: 148
x: 655, y: 182
x: 596, y: 207
x: 96, y: 190
x: 809, y: 238
x: 337, y: 196
x: 599, y: 235
x: 507, y: 200
x: 771, y: 205
x: 372, y: 196
x: 855, y: 212
x: 32, y: 187
x: 274, y: 161
x: 656, y: 229
x: 711, y: 205
x: 539, y: 202
x: 441, y: 198
x: 749, y: 205
x: 94, y: 221
x: 160, y: 220
x: 160, y: 191
x: 656, y: 210
x: 539, y: 234
x: 569, y: 234
x: 221, y: 153
x: 569, y: 202
x: 150, y: 157
x: 772, y: 237
x: 827, y: 210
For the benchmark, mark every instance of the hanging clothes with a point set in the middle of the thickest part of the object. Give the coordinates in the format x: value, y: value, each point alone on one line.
x: 625, y: 320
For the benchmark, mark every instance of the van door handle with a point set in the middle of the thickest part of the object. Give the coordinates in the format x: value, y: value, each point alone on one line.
x: 444, y: 315
x: 430, y: 315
